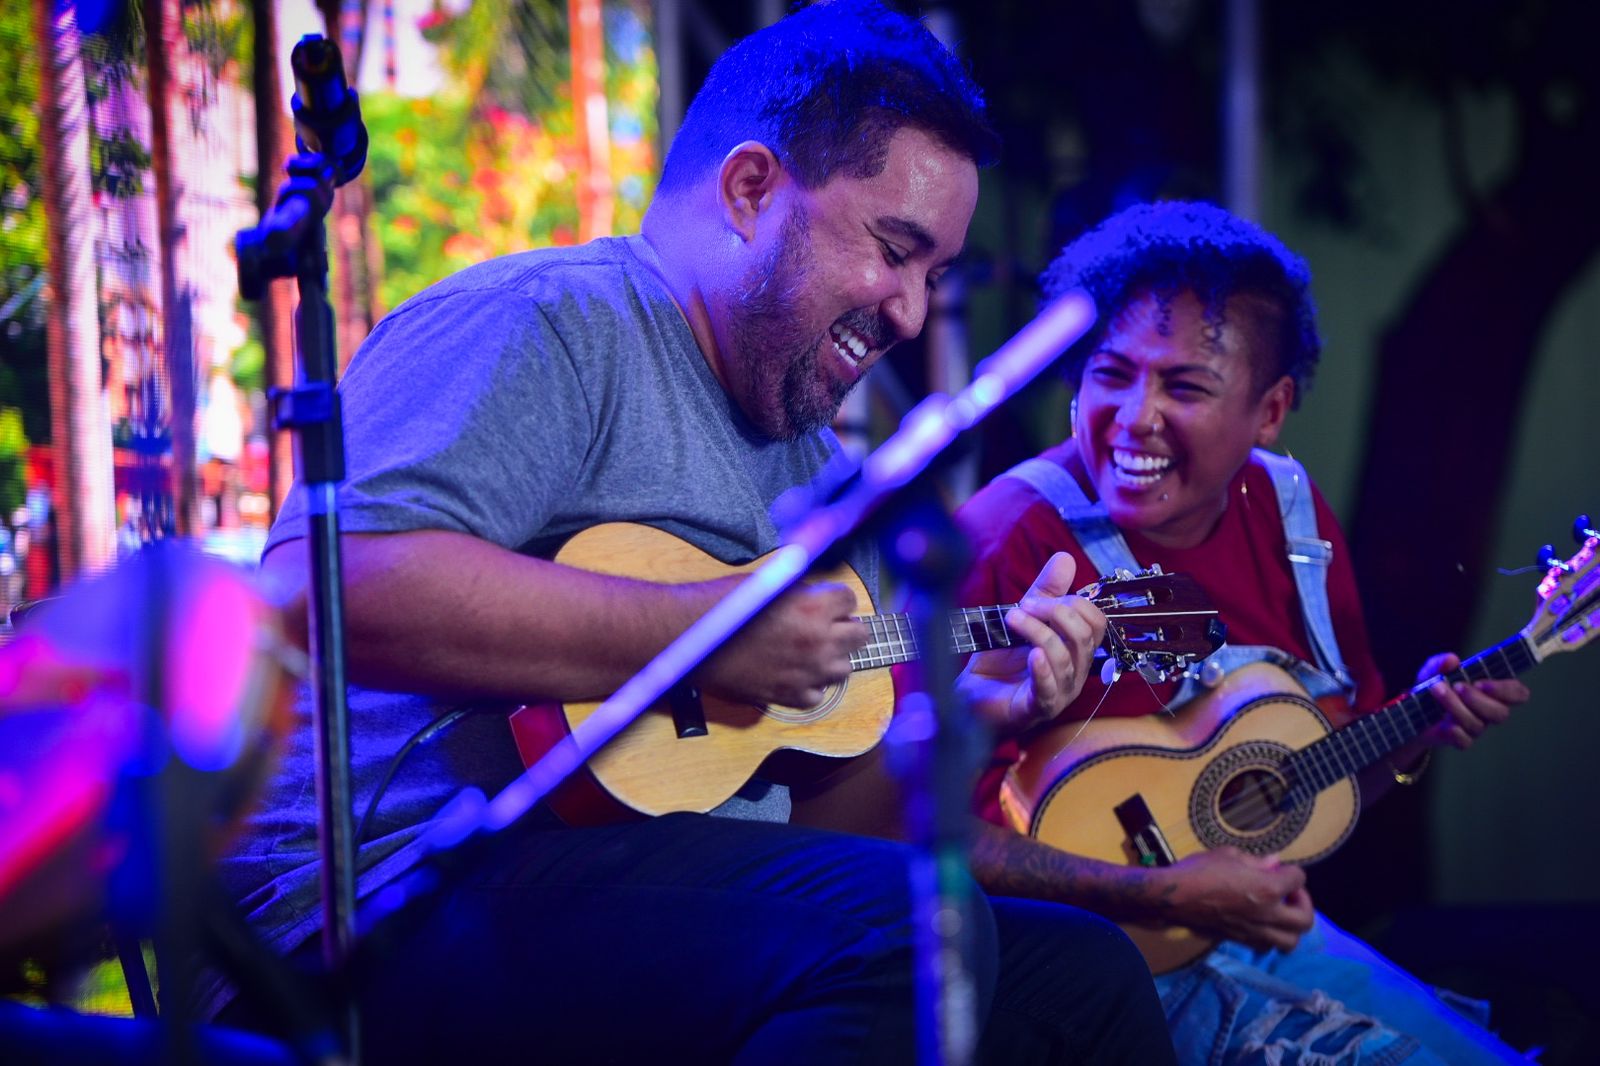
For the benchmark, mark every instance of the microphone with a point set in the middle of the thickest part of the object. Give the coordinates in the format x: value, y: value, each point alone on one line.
x: 327, y: 114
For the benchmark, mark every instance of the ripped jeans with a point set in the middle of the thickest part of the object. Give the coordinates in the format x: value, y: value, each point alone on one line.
x: 1332, y: 1001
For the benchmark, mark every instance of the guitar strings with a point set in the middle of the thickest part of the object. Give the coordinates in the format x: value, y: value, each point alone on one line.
x: 1257, y: 808
x: 1106, y: 691
x: 1253, y: 807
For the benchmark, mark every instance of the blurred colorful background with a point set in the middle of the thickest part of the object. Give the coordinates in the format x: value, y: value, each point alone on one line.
x: 132, y: 143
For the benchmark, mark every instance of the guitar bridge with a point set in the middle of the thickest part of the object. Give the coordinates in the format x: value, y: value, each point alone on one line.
x: 688, y: 713
x: 1146, y: 836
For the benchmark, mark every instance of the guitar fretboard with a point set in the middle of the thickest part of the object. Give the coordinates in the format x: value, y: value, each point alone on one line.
x: 1372, y: 737
x: 894, y: 640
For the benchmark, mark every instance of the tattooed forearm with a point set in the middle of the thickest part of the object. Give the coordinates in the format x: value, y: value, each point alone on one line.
x: 1007, y: 864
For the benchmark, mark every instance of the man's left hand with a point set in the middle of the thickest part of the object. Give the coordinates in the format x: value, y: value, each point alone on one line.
x: 1014, y: 688
x: 1470, y: 706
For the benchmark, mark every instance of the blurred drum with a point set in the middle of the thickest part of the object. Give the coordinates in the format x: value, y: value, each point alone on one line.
x: 171, y: 664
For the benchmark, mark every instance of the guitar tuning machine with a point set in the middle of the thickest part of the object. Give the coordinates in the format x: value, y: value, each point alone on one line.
x: 1151, y: 672
x: 1583, y: 529
x: 1548, y: 559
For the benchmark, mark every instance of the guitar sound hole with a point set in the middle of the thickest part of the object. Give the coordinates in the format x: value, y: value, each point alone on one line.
x: 803, y: 715
x: 1248, y: 802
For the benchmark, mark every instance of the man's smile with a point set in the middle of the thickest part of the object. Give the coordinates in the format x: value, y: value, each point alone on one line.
x: 851, y: 346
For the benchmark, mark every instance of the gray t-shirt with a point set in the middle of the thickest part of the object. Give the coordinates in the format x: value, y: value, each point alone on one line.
x: 519, y: 401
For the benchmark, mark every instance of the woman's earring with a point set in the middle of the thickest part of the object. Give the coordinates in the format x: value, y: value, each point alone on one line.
x: 1072, y: 418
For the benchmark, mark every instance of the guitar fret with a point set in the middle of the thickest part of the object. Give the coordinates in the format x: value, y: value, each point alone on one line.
x: 1422, y: 712
x: 890, y: 650
x: 965, y: 642
x: 1404, y: 729
x: 905, y: 641
x: 1366, y: 744
x: 892, y: 638
x: 1393, y: 734
x: 1363, y: 747
x: 1322, y: 756
x: 1352, y: 753
x: 995, y: 625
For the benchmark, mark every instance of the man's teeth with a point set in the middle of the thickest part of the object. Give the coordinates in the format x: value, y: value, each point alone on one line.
x: 1137, y: 468
x: 848, y: 344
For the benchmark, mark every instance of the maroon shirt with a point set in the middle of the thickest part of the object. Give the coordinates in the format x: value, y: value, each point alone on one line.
x: 1242, y: 566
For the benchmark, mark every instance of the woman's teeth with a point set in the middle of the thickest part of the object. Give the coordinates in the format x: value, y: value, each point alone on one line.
x: 1138, y: 469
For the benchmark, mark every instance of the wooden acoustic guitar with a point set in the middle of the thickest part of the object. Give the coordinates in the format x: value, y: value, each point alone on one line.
x: 1252, y: 763
x: 696, y: 751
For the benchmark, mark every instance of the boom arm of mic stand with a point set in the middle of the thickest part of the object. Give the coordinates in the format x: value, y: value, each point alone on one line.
x: 924, y: 433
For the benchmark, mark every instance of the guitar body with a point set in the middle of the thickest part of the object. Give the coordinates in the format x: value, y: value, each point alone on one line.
x: 1153, y: 790
x: 1208, y: 776
x: 648, y: 768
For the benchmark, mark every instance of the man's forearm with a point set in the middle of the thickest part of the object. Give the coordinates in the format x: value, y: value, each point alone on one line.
x: 449, y: 615
x: 1009, y: 864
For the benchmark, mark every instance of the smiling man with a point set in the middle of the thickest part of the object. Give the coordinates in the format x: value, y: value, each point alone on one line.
x: 1206, y: 341
x: 822, y: 180
x: 819, y: 282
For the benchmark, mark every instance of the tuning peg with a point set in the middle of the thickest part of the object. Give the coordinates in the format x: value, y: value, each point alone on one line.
x: 1548, y: 557
x: 1583, y: 529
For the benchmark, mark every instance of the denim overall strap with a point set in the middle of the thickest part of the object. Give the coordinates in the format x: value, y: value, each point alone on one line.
x: 1096, y: 534
x: 1309, y: 558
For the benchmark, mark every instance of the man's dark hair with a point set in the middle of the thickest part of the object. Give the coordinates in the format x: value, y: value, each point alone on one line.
x: 1168, y: 247
x: 826, y: 89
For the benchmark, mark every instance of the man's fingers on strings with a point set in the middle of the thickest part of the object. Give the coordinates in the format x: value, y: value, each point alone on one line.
x: 1492, y: 700
x: 1085, y: 622
x: 851, y: 634
x: 1046, y: 688
x: 1456, y: 710
x: 832, y: 600
x: 1076, y: 624
x: 1025, y: 624
x: 1056, y: 578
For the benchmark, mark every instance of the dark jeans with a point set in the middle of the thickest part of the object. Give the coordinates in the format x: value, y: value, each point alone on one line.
x: 699, y: 940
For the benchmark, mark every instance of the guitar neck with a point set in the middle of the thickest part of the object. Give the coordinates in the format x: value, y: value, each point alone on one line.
x: 1372, y: 737
x: 893, y: 638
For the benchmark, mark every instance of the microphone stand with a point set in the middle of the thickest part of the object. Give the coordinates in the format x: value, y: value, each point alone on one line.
x: 470, y: 820
x: 933, y: 747
x: 291, y: 241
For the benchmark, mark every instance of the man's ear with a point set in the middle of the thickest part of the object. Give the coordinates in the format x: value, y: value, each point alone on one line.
x: 745, y: 184
x: 1273, y: 408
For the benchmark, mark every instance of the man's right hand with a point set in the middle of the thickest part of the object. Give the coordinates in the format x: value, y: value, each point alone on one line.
x: 789, y: 653
x: 1256, y: 900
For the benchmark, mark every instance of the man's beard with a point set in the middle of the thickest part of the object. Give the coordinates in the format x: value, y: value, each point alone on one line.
x: 779, y: 362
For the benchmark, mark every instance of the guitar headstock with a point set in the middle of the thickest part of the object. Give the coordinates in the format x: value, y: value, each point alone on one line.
x: 1568, y: 615
x: 1156, y: 623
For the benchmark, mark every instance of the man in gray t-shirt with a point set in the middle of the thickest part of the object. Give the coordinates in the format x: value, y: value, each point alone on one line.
x: 821, y: 183
x: 572, y: 394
